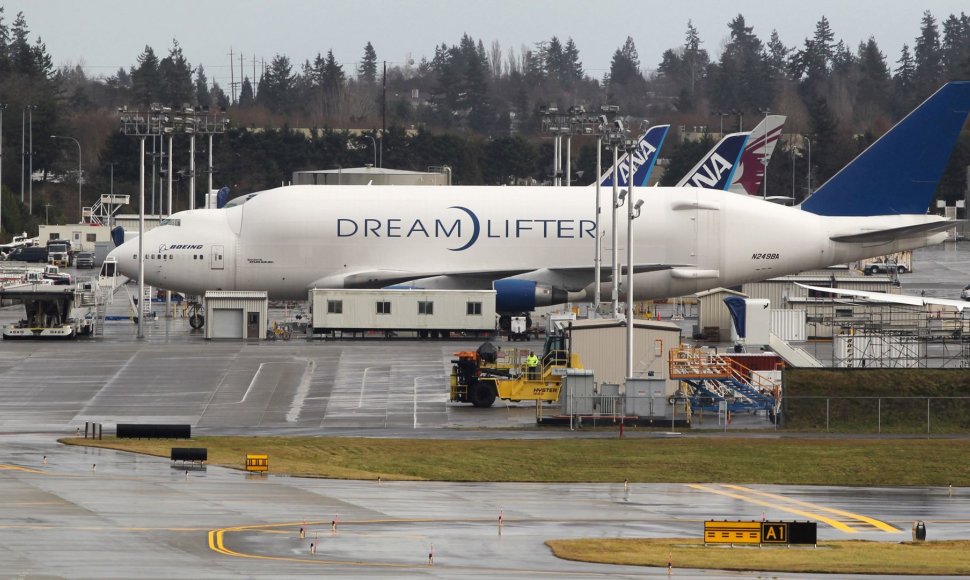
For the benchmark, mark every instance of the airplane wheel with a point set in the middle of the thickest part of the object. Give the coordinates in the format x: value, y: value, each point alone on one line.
x: 483, y: 394
x: 196, y: 321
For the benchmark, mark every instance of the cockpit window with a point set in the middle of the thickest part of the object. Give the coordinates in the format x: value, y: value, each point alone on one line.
x: 170, y: 222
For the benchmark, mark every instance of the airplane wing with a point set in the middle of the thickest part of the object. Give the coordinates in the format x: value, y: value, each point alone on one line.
x: 881, y: 236
x: 570, y: 278
x: 882, y: 297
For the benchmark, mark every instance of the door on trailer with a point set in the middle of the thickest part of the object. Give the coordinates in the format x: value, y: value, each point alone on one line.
x: 216, y: 262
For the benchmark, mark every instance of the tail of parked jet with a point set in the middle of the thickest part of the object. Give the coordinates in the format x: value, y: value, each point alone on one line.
x: 644, y: 158
x: 716, y: 169
x: 899, y: 173
x: 750, y: 175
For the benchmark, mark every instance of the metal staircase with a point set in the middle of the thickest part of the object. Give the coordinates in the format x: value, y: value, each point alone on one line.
x: 711, y: 378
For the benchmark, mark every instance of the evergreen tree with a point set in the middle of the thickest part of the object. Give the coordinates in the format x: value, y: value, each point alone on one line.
x: 955, y: 49
x: 842, y: 59
x: 572, y: 65
x: 202, y: 97
x: 777, y: 56
x: 812, y: 63
x: 218, y: 97
x: 554, y: 60
x: 276, y: 84
x: 4, y: 47
x: 927, y: 57
x: 903, y: 81
x: 176, y: 78
x: 874, y: 80
x: 741, y: 80
x: 21, y: 55
x: 367, y: 72
x: 146, y: 79
x: 332, y: 75
x: 535, y: 64
x: 625, y: 65
x: 246, y: 97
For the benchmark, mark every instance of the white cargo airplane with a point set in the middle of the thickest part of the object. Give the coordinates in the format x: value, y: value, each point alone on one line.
x: 533, y: 244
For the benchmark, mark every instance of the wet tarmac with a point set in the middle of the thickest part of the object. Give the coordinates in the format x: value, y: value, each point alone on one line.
x: 98, y: 513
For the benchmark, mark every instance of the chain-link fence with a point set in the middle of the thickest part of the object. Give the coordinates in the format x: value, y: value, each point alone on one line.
x: 867, y: 414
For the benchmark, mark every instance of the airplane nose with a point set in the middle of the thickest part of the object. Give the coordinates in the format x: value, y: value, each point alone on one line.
x: 122, y: 256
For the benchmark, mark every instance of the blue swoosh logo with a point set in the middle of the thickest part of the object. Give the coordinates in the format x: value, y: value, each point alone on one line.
x: 476, y: 227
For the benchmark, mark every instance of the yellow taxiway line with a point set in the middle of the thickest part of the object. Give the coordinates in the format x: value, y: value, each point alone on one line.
x: 813, y: 514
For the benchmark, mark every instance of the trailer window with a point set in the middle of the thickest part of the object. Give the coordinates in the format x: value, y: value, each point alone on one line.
x: 474, y: 308
x: 425, y: 307
x: 335, y: 306
x: 383, y: 307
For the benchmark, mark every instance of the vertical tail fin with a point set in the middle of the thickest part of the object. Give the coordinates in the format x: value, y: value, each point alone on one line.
x: 716, y: 169
x: 750, y: 175
x: 644, y: 158
x: 899, y: 173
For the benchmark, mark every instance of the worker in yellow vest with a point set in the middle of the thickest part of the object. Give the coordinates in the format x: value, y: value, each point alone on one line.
x: 532, y: 363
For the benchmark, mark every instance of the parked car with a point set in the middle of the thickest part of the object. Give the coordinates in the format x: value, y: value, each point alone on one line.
x: 885, y: 268
x: 966, y: 293
x: 84, y: 260
x: 30, y: 254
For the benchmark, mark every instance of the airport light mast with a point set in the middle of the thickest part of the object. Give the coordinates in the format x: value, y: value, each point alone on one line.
x: 633, y: 212
x: 615, y: 136
x: 579, y: 122
x: 142, y: 124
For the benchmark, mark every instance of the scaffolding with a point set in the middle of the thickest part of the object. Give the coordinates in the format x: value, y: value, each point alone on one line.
x: 867, y: 335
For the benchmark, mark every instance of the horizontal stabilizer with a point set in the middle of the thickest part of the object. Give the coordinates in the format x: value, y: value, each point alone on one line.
x: 883, y: 236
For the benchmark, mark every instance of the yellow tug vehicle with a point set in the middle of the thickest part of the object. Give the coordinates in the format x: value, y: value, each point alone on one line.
x: 479, y: 377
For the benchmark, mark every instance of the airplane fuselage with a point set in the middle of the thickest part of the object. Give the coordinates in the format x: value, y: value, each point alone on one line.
x: 290, y: 239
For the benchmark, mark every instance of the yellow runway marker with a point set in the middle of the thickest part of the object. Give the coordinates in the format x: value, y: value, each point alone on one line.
x: 19, y: 468
x: 810, y: 515
x: 861, y: 518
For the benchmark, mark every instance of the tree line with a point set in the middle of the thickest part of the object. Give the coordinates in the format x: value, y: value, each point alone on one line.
x: 470, y: 106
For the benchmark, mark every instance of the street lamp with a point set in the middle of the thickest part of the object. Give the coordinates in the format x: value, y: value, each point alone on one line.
x: 809, y: 177
x: 30, y: 157
x: 764, y: 151
x: 2, y: 108
x: 374, y: 143
x: 80, y: 206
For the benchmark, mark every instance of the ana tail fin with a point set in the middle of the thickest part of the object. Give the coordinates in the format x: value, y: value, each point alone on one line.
x: 716, y: 169
x: 644, y: 158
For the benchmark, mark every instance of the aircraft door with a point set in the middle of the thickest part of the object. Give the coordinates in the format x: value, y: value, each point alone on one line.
x: 217, y: 261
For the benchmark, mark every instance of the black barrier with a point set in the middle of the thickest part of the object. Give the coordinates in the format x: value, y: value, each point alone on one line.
x: 789, y: 533
x: 190, y: 454
x: 133, y: 431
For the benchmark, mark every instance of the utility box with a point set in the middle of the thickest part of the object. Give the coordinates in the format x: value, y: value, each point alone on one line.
x: 576, y: 397
x: 647, y: 398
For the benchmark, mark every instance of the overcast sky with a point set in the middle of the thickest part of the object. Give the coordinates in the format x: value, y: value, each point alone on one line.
x: 104, y: 35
